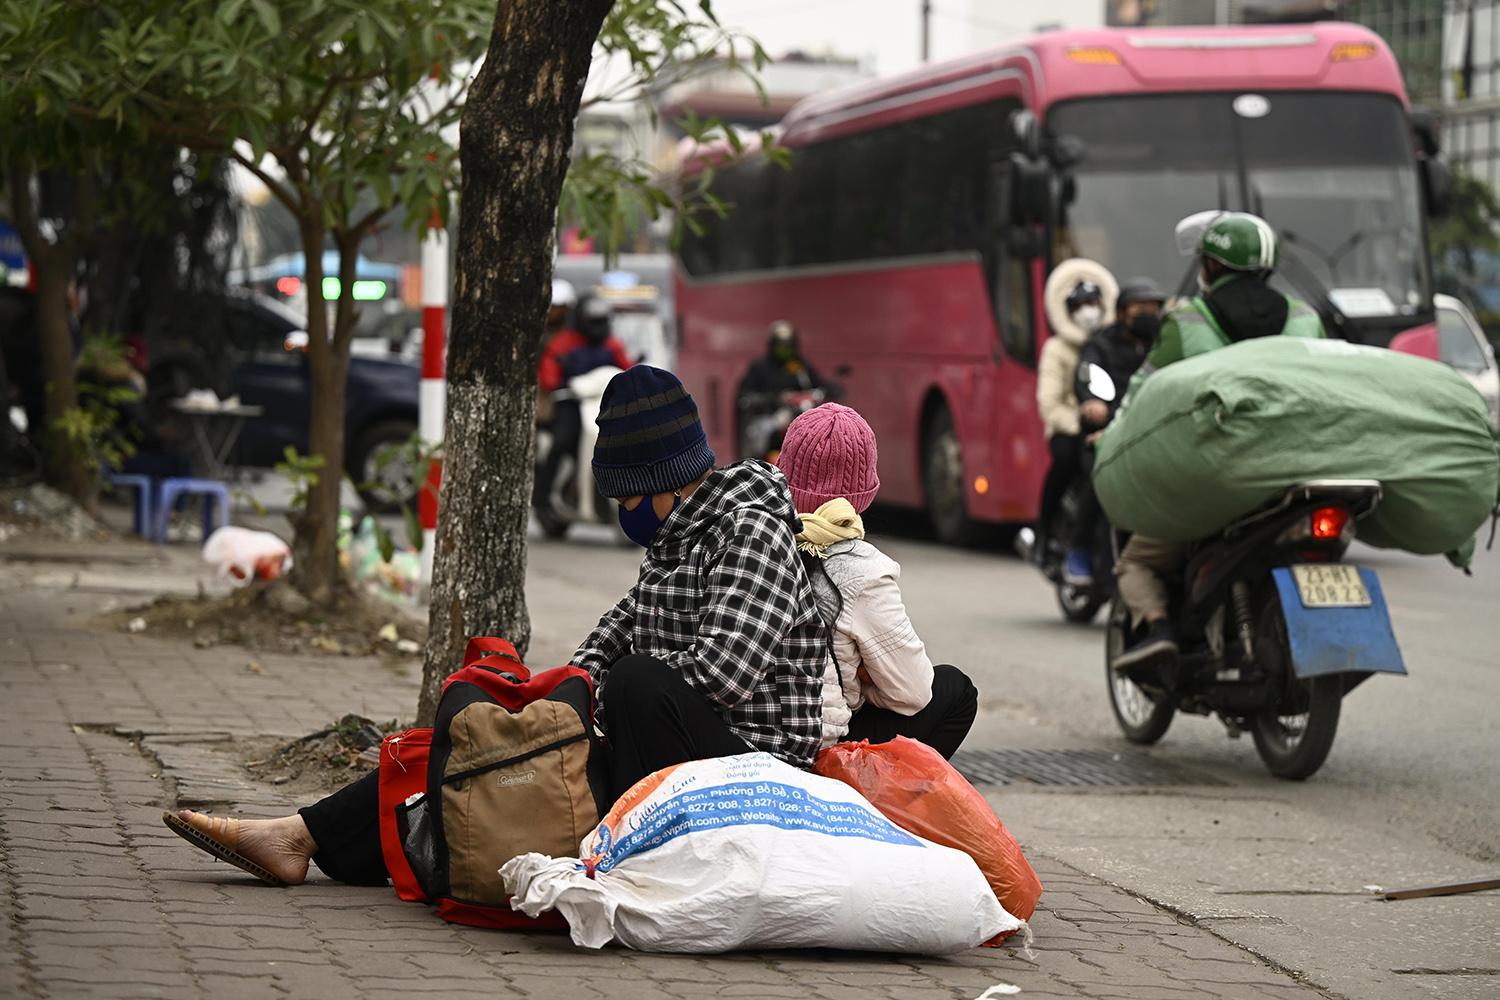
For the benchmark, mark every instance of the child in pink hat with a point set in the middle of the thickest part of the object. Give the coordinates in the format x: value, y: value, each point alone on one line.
x: 880, y: 683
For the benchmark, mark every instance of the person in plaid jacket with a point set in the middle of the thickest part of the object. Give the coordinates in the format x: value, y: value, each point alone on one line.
x: 718, y: 649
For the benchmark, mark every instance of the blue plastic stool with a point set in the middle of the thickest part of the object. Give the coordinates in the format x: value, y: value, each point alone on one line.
x: 211, y: 490
x: 142, y: 523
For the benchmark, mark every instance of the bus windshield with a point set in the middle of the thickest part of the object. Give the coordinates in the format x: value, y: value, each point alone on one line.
x: 1333, y: 172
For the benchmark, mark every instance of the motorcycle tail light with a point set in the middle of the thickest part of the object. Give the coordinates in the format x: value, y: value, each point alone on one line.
x: 1328, y: 523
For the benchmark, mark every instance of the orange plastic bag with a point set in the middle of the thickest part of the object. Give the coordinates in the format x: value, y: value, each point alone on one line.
x: 919, y: 791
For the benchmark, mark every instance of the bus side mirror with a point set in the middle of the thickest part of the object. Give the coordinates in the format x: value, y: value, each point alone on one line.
x: 1025, y: 242
x: 1030, y: 190
x: 1027, y: 132
x: 1424, y: 125
x: 1437, y: 187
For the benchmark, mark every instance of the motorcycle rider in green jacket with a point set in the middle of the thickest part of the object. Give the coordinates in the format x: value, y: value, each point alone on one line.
x: 1238, y: 253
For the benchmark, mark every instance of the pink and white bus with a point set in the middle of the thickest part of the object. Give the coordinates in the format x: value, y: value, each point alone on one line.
x: 910, y: 239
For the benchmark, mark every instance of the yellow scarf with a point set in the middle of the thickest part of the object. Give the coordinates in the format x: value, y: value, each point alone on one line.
x: 833, y: 522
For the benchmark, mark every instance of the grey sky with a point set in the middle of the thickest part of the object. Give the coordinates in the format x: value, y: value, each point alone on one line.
x: 887, y: 32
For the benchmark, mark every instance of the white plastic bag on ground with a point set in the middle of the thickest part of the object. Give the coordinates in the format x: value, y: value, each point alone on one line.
x: 749, y: 852
x: 239, y: 555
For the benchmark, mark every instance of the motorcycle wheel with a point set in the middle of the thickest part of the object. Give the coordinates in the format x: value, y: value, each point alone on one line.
x: 1294, y: 737
x: 1079, y: 605
x: 553, y: 526
x: 1142, y: 719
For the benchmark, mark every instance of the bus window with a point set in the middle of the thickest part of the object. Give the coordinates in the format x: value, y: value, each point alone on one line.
x: 812, y: 188
x: 1009, y: 274
x: 867, y: 213
x: 911, y: 189
x: 1149, y: 161
x: 745, y: 242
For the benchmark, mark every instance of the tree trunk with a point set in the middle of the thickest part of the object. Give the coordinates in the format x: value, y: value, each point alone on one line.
x: 61, y: 464
x: 315, y: 543
x: 55, y: 262
x: 515, y: 141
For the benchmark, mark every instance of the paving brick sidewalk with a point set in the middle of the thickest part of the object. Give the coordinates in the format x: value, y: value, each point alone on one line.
x: 98, y: 899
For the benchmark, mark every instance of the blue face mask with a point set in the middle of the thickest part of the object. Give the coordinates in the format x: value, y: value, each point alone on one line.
x: 642, y: 524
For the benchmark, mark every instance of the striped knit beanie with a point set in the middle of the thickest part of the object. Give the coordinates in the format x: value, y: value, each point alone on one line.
x: 650, y: 438
x: 828, y: 452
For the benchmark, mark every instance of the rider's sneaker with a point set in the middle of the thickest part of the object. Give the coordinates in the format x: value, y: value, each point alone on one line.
x: 1079, y: 569
x: 1158, y: 647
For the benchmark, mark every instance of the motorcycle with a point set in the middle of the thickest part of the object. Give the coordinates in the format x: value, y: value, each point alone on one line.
x: 572, y: 497
x: 1080, y: 603
x: 765, y: 424
x: 1273, y: 626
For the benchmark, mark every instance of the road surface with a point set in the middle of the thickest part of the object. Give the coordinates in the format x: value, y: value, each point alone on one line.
x: 1410, y: 794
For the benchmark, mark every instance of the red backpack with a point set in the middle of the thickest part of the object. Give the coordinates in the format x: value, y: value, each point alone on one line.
x: 511, y: 754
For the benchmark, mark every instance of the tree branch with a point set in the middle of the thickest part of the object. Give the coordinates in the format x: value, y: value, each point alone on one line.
x: 368, y: 220
x: 25, y: 214
x: 282, y: 195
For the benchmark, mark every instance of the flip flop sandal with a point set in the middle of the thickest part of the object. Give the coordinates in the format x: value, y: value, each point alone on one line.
x: 223, y: 852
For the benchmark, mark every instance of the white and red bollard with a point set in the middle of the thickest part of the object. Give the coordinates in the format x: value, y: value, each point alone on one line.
x: 433, y: 401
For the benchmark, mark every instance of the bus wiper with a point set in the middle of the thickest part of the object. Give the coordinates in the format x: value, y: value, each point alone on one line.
x: 1302, y: 279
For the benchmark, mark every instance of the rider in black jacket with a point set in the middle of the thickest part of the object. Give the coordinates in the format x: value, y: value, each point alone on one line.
x: 763, y: 417
x: 1119, y: 349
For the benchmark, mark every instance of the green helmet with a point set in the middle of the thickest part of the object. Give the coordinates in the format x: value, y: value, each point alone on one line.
x: 1241, y: 242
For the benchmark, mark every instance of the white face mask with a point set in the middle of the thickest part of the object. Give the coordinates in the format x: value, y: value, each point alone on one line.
x: 1203, y: 283
x: 1088, y: 317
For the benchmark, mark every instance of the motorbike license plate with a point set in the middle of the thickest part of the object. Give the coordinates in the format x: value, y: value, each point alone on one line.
x: 1331, y: 586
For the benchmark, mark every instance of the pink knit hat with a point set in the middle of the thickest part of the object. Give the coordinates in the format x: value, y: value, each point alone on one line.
x: 829, y: 452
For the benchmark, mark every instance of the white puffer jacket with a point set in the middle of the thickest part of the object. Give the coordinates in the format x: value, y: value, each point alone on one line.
x: 871, y: 631
x: 1055, y: 399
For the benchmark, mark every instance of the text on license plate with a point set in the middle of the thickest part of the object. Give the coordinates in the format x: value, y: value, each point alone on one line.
x: 1331, y: 586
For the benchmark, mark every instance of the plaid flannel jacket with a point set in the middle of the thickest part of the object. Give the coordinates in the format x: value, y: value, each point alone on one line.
x: 723, y: 598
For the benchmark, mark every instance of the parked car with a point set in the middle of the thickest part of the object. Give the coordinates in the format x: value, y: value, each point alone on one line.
x: 1463, y: 347
x: 265, y: 365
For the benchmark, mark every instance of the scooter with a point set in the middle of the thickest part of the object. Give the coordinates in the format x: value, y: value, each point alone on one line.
x: 572, y: 497
x: 1079, y: 603
x: 764, y: 431
x: 1274, y: 628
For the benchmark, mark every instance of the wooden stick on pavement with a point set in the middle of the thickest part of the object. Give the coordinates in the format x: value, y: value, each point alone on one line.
x: 1451, y: 889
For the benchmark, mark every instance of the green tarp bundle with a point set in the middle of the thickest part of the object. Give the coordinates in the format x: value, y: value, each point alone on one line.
x: 1210, y: 439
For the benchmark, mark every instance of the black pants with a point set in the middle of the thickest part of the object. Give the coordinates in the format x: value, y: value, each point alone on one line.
x: 942, y: 725
x: 654, y: 719
x: 567, y: 426
x: 1072, y: 458
x: 1086, y: 526
x: 346, y: 828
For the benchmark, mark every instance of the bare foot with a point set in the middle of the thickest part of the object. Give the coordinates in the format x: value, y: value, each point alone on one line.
x: 283, y: 846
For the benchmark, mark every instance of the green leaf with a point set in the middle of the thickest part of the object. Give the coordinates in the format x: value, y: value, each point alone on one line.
x: 383, y: 541
x: 414, y: 532
x: 384, y: 190
x: 366, y: 29
x: 269, y: 18
x: 228, y: 12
